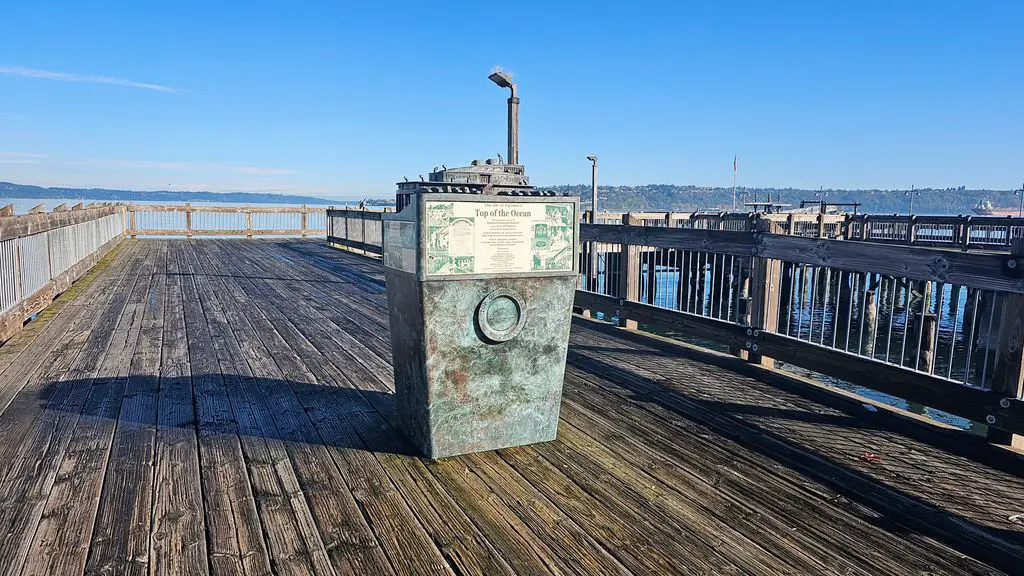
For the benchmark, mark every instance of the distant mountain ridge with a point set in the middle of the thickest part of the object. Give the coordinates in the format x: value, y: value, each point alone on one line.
x: 675, y: 198
x: 648, y: 197
x: 11, y: 190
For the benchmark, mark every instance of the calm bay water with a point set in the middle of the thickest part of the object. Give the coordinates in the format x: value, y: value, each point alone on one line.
x: 23, y: 205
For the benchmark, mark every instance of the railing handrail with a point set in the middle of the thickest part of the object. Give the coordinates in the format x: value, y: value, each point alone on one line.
x: 367, y: 214
x: 963, y: 232
x: 225, y: 226
x: 366, y: 236
x: 43, y: 253
x: 1001, y: 406
x: 20, y: 225
x: 978, y: 270
x: 242, y: 208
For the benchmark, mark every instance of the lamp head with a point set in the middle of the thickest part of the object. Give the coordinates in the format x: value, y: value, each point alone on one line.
x: 592, y: 158
x: 501, y: 78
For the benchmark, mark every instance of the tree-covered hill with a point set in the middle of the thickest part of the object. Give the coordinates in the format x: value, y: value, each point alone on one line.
x: 671, y: 197
x: 10, y: 190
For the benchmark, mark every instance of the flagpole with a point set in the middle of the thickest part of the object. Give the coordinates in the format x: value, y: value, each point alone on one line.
x: 734, y: 183
x: 1020, y: 214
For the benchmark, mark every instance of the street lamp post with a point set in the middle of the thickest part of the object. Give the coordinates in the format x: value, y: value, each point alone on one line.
x: 822, y: 207
x: 592, y: 276
x: 1020, y: 213
x: 913, y: 192
x: 504, y: 80
x: 593, y: 188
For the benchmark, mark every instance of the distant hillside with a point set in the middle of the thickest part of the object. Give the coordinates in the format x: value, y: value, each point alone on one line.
x: 670, y: 197
x: 9, y: 190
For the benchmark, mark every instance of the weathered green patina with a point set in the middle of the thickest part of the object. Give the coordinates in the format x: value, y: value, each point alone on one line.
x: 480, y: 290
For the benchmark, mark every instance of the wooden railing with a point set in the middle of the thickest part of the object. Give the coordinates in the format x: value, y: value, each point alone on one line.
x: 936, y: 327
x: 355, y: 229
x: 42, y: 254
x: 189, y: 220
x: 956, y: 232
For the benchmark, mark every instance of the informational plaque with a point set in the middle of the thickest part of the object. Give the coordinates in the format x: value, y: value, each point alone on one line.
x: 499, y: 237
x: 400, y: 245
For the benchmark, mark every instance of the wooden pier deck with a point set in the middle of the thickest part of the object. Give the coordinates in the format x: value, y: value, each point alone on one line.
x: 224, y: 407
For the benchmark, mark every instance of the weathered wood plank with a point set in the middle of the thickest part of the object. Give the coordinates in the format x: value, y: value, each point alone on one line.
x: 22, y: 357
x: 64, y: 388
x: 288, y: 431
x: 373, y: 492
x: 233, y: 525
x: 521, y: 554
x: 121, y: 534
x: 765, y: 501
x: 396, y: 528
x: 972, y: 403
x: 721, y: 241
x: 959, y: 459
x: 285, y: 362
x: 1008, y: 374
x: 985, y: 271
x: 345, y: 243
x: 61, y: 542
x: 382, y: 511
x: 914, y: 513
x: 283, y: 297
x: 13, y: 320
x: 691, y: 324
x: 178, y: 538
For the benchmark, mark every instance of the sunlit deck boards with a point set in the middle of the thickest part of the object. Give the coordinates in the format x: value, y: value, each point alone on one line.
x: 223, y: 407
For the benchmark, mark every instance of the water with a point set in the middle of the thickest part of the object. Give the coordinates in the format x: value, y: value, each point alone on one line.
x: 815, y: 314
x: 23, y: 205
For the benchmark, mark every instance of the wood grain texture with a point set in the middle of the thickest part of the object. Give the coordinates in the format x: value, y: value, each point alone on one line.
x: 721, y: 241
x: 1008, y: 376
x: 224, y: 407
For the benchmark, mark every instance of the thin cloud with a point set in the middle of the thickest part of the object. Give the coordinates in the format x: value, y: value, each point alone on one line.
x: 84, y: 78
x: 155, y: 165
x: 8, y: 157
x: 199, y: 167
x: 142, y: 174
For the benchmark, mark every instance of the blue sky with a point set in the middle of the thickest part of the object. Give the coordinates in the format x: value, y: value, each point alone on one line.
x: 344, y: 99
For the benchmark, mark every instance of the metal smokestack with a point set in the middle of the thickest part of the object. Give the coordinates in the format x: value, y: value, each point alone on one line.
x: 504, y: 80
